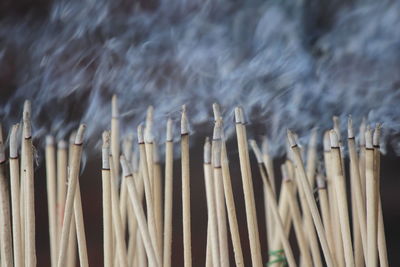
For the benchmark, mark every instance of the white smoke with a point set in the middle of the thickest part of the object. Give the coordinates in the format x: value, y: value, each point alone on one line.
x: 256, y: 54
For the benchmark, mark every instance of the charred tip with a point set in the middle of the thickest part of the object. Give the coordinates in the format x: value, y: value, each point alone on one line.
x: 216, y: 111
x: 333, y: 138
x: 350, y: 130
x: 217, y: 134
x: 362, y: 131
x: 106, y: 139
x: 184, y: 121
x: 238, y: 115
x: 368, y: 138
x: 256, y: 150
x: 170, y: 130
x: 313, y: 137
x: 265, y: 146
x: 27, y: 127
x: 106, y: 150
x: 50, y: 140
x: 125, y: 167
x: 14, y: 141
x: 321, y: 182
x: 80, y: 134
x: 62, y: 144
x: 291, y: 138
x: 140, y: 134
x: 148, y: 131
x: 207, y: 151
x: 27, y: 110
x: 327, y: 141
x: 377, y: 134
x: 72, y: 137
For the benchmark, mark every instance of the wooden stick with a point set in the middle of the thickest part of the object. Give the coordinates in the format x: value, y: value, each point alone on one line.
x: 5, y: 230
x: 324, y: 206
x: 213, y: 243
x: 271, y: 176
x: 62, y: 173
x: 362, y: 156
x: 15, y: 197
x: 209, y: 260
x: 168, y: 207
x: 157, y: 195
x: 219, y: 196
x: 148, y: 140
x: 116, y: 219
x: 30, y: 244
x: 305, y: 186
x: 308, y: 221
x: 115, y: 149
x: 274, y: 207
x: 187, y: 242
x: 148, y: 193
x: 338, y: 248
x: 51, y: 197
x: 297, y: 223
x: 72, y: 242
x: 230, y: 205
x: 72, y: 181
x: 80, y: 228
x: 26, y: 110
x: 356, y: 188
x: 107, y: 213
x: 372, y: 201
x: 247, y: 180
x: 312, y: 157
x: 382, y: 250
x: 341, y: 198
x: 149, y: 244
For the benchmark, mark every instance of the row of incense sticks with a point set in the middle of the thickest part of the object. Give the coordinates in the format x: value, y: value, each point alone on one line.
x: 330, y: 229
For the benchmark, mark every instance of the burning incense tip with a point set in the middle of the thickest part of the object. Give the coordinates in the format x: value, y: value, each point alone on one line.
x: 217, y: 129
x: 334, y: 138
x: 114, y: 107
x: 170, y: 129
x: 216, y: 111
x: 291, y: 138
x: 50, y: 140
x: 27, y: 110
x: 238, y: 116
x: 368, y: 138
x: 79, y: 134
x: 27, y: 126
x: 377, y: 134
x: 140, y: 134
x: 265, y: 146
x: 313, y: 137
x: 184, y: 121
x: 62, y: 144
x: 327, y: 141
x: 106, y: 150
x: 350, y: 130
x: 14, y: 141
x: 72, y: 137
x: 207, y: 151
x: 256, y: 151
x: 148, y: 131
x: 125, y: 168
x: 336, y: 126
x: 321, y: 182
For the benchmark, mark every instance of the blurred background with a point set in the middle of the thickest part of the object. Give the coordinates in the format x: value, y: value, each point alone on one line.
x: 289, y: 64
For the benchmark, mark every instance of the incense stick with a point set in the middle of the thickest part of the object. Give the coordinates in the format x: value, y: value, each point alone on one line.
x: 115, y: 149
x: 107, y: 213
x: 169, y: 161
x: 356, y: 188
x: 148, y: 193
x: 72, y: 242
x: 149, y: 244
x: 30, y: 246
x: 251, y: 217
x: 72, y: 181
x: 116, y: 219
x: 382, y: 250
x: 274, y: 207
x: 5, y: 230
x: 341, y: 198
x: 187, y: 242
x: 51, y: 197
x: 157, y: 196
x: 219, y: 196
x: 15, y: 197
x: 305, y: 186
x: 213, y: 242
x: 62, y: 165
x: 371, y: 195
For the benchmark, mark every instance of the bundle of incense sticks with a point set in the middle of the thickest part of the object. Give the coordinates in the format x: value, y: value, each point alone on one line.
x: 330, y: 229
